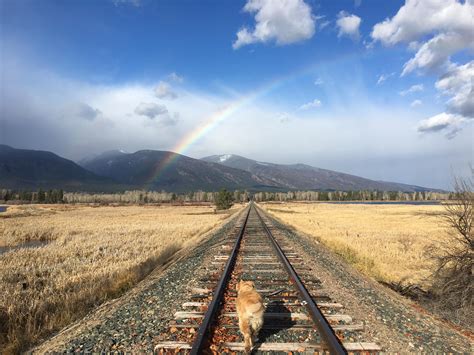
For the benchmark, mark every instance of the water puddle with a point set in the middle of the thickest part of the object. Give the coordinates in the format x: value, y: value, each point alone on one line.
x: 3, y: 208
x: 31, y: 244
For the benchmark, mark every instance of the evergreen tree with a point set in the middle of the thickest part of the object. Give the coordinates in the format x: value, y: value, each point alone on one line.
x: 41, y: 196
x: 49, y: 197
x: 323, y: 196
x: 224, y: 200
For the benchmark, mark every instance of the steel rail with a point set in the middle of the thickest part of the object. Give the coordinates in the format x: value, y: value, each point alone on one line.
x: 327, y: 333
x: 200, y: 338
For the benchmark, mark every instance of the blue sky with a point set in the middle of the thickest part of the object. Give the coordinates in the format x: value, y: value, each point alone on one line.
x: 374, y: 88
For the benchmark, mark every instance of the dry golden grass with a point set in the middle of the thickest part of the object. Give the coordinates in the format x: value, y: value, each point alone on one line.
x: 387, y: 242
x: 93, y: 253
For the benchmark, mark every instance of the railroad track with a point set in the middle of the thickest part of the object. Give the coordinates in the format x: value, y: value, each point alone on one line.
x: 299, y: 316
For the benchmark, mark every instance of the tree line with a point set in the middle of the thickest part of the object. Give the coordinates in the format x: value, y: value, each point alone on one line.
x: 40, y: 196
x: 144, y: 197
x: 133, y: 197
x: 364, y: 195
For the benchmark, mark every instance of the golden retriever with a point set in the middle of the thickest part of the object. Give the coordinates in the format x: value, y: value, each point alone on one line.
x: 250, y: 310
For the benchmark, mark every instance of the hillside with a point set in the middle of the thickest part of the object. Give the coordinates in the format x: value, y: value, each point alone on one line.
x: 148, y: 169
x: 34, y: 169
x: 107, y: 154
x: 305, y: 177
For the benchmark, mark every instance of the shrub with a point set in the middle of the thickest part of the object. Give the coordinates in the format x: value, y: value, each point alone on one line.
x: 454, y: 259
x: 224, y: 200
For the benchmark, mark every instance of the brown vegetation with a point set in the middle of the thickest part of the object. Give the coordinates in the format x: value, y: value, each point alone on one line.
x: 453, y: 283
x: 387, y: 242
x: 91, y: 255
x: 425, y: 252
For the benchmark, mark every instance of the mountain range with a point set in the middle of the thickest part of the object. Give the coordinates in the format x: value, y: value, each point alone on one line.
x: 117, y: 170
x: 34, y: 169
x: 161, y: 170
x: 305, y: 177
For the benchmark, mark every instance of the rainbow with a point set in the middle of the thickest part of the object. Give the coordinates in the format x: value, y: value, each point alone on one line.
x: 219, y: 116
x: 207, y: 125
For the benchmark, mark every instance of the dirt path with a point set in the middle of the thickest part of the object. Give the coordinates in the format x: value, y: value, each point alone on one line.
x: 135, y: 321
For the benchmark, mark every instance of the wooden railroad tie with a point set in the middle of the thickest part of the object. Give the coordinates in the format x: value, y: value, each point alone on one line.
x: 296, y: 347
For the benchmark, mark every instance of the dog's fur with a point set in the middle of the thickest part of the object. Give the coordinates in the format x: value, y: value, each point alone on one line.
x: 250, y: 310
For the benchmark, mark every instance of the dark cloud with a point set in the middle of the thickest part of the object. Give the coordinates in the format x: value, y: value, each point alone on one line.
x: 82, y: 110
x: 150, y: 109
x: 443, y: 122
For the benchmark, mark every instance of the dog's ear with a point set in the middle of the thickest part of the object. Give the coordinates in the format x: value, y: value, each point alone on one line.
x: 251, y: 283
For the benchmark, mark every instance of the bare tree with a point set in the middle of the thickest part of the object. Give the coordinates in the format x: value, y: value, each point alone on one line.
x: 453, y: 277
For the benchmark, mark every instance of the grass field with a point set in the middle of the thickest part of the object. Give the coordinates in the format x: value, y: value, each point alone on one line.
x: 387, y: 242
x: 90, y: 254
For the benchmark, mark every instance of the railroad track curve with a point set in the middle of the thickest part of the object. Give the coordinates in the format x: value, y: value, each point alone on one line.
x: 299, y: 317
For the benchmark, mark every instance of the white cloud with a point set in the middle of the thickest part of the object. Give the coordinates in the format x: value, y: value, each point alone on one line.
x: 412, y: 89
x: 414, y: 46
x: 436, y: 30
x: 434, y: 54
x: 348, y: 25
x: 444, y: 122
x: 421, y: 17
x: 384, y: 77
x: 176, y: 78
x: 136, y: 3
x: 312, y: 104
x: 163, y: 91
x: 318, y: 82
x: 458, y: 83
x: 321, y: 21
x: 150, y: 109
x: 323, y: 24
x: 284, y: 22
x: 416, y: 103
